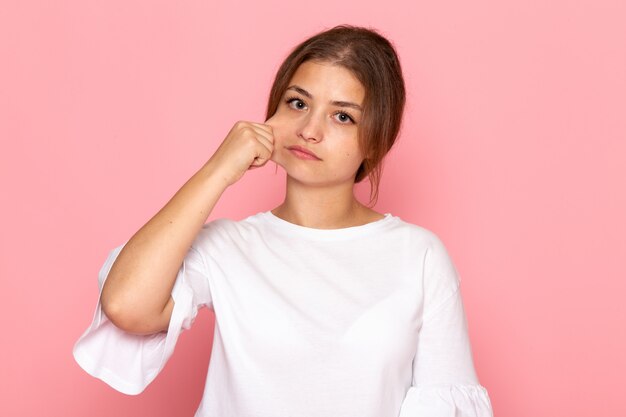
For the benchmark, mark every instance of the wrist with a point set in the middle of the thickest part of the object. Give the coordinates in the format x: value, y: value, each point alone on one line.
x: 213, y: 175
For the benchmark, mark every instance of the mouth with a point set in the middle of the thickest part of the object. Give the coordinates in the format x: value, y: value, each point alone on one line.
x: 303, y: 153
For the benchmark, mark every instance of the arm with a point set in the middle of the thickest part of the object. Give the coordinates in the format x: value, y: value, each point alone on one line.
x: 444, y: 354
x: 444, y: 379
x: 136, y: 296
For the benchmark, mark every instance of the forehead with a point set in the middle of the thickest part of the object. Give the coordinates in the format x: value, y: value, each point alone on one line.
x: 328, y: 82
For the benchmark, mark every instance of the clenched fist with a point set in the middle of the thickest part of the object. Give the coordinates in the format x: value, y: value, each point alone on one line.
x: 248, y: 145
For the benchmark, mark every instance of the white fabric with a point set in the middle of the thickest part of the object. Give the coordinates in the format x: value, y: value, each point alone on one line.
x: 362, y: 321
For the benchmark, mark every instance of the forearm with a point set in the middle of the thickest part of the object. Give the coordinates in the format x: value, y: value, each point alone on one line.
x: 140, y: 282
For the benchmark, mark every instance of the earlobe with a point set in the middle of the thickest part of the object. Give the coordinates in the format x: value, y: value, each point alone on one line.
x: 361, y: 167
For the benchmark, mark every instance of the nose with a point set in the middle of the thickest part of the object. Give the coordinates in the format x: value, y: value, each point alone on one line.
x: 311, y: 128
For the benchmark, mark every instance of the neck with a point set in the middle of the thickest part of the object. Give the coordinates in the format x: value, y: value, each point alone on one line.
x: 328, y: 207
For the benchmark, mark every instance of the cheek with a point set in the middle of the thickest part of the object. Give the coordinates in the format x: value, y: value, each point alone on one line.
x: 280, y: 134
x: 279, y: 127
x: 352, y: 151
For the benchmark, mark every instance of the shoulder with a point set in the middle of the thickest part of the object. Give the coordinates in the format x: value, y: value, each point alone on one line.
x: 224, y: 231
x: 438, y: 264
x: 421, y: 235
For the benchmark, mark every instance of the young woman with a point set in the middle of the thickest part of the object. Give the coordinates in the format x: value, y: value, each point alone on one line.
x: 323, y: 306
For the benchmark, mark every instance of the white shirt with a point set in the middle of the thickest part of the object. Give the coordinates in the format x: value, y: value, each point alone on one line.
x: 363, y: 321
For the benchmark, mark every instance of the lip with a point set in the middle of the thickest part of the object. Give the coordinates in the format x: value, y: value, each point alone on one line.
x: 300, y: 151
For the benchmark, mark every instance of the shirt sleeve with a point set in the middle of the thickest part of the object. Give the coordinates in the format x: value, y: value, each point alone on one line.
x: 444, y: 381
x: 129, y: 362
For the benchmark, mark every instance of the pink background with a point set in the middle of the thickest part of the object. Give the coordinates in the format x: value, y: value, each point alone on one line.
x: 512, y: 151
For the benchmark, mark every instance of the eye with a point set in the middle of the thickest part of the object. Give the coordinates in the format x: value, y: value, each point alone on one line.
x: 344, y: 117
x: 296, y: 103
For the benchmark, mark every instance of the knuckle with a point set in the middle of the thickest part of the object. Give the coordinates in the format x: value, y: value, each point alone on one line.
x: 250, y: 142
x: 247, y: 130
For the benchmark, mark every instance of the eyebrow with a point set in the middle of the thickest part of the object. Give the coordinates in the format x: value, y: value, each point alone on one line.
x: 335, y: 103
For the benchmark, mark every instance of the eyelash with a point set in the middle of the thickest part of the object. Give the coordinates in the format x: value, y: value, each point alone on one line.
x: 290, y: 100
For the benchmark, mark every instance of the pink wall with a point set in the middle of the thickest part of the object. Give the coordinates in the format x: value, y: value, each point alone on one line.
x: 512, y: 151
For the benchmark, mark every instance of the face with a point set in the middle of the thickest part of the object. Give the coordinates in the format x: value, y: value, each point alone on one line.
x: 320, y: 111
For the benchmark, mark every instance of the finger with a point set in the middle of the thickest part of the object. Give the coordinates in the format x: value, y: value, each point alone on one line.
x: 261, y: 160
x: 265, y: 127
x: 260, y: 133
x: 264, y: 153
x: 267, y: 143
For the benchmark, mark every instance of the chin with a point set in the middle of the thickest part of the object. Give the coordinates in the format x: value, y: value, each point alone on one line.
x: 316, y: 180
x: 311, y: 173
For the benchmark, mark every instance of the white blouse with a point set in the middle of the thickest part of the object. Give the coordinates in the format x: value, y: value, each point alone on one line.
x: 363, y: 321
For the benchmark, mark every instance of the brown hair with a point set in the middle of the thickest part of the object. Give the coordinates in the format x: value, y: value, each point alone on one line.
x: 374, y: 62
